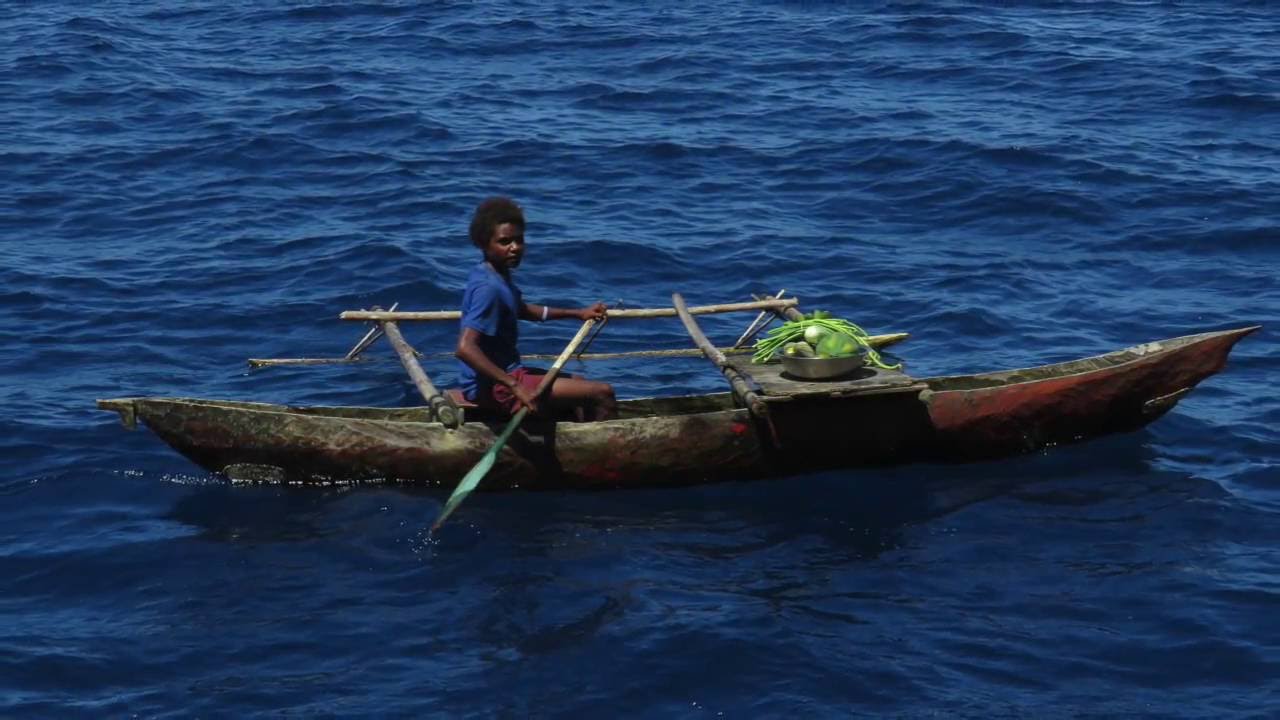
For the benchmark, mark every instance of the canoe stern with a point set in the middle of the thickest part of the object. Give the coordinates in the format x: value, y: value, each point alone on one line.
x: 1113, y: 393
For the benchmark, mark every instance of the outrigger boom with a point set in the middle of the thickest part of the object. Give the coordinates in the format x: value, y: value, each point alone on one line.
x: 445, y: 405
x: 777, y: 305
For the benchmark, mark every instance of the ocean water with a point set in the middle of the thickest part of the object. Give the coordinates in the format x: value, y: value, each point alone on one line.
x: 189, y: 184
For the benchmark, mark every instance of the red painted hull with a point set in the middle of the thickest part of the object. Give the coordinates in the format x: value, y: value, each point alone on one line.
x: 1051, y: 406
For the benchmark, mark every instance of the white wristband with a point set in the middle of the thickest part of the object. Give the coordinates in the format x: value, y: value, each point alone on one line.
x: 545, y: 310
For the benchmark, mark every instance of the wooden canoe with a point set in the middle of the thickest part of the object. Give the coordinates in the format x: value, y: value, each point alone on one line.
x: 876, y: 420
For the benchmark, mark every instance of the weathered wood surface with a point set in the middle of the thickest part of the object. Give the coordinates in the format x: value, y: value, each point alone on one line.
x: 277, y: 362
x: 386, y: 444
x: 665, y: 441
x: 370, y: 337
x: 789, y: 313
x: 639, y: 313
x: 1022, y: 410
x: 741, y: 388
x: 441, y: 406
x: 761, y: 321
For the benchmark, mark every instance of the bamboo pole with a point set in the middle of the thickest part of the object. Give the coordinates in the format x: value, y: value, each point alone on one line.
x: 876, y: 341
x: 374, y: 333
x: 442, y: 408
x: 274, y: 362
x: 755, y: 327
x: 739, y: 384
x: 779, y: 305
x: 786, y: 313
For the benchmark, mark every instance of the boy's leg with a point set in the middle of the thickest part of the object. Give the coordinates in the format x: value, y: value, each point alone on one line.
x: 502, y: 399
x: 568, y: 392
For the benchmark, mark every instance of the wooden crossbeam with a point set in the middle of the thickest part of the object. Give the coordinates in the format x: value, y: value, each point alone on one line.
x: 876, y: 341
x: 779, y: 305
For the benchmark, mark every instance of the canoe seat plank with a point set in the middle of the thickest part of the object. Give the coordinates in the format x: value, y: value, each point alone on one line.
x: 776, y: 386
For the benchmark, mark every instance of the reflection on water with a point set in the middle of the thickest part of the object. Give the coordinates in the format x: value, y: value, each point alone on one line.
x: 259, y: 513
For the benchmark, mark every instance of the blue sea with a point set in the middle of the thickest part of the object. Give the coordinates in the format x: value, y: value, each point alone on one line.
x: 186, y: 185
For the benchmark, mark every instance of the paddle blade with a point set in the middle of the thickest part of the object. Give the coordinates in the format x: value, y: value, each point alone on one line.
x: 477, y: 473
x: 465, y: 487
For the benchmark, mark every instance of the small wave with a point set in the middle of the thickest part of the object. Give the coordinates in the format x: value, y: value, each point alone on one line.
x: 1009, y: 205
x: 519, y: 25
x: 1209, y: 242
x: 179, y: 13
x: 23, y: 301
x: 43, y: 67
x: 86, y: 98
x: 1020, y: 156
x: 326, y: 12
x: 1240, y: 102
x: 403, y: 125
x: 1074, y: 67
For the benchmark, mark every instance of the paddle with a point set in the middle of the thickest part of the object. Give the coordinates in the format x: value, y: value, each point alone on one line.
x: 473, y: 476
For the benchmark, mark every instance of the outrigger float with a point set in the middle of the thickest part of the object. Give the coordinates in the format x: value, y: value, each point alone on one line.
x: 769, y: 424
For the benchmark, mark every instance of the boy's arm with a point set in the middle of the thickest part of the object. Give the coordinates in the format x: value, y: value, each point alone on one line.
x: 469, y: 352
x: 542, y: 313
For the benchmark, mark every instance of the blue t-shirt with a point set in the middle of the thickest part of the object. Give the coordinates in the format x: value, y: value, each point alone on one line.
x: 490, y: 306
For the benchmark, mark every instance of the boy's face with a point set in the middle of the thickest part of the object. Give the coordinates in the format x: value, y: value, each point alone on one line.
x: 505, y: 247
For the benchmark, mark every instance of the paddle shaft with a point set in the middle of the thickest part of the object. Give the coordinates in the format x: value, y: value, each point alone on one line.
x: 477, y: 473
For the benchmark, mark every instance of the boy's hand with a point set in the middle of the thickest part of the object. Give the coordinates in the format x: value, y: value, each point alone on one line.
x: 525, y: 397
x: 595, y: 312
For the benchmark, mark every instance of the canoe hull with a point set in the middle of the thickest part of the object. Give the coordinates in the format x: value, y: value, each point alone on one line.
x: 1015, y: 417
x: 267, y: 442
x: 677, y: 441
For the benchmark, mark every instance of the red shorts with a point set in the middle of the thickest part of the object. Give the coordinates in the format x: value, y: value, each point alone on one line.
x: 501, y: 398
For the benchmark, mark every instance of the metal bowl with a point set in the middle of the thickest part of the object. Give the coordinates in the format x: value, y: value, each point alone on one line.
x: 821, y: 368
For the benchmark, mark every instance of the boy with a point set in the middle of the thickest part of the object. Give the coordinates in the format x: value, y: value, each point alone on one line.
x: 492, y: 374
